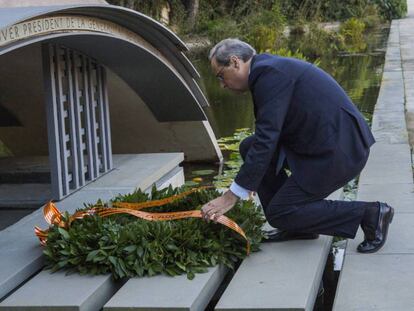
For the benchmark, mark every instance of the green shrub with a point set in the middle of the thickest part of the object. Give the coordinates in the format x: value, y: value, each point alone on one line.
x: 328, y: 10
x: 392, y: 9
x: 221, y: 28
x: 353, y: 32
x: 264, y: 28
x: 371, y: 16
x: 316, y: 41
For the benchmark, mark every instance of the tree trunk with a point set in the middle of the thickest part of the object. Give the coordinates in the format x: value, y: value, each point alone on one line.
x: 131, y: 4
x: 193, y: 6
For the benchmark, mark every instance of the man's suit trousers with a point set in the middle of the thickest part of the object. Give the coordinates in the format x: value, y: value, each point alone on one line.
x: 288, y: 207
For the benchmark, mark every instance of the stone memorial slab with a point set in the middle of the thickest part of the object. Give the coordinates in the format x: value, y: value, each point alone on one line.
x: 58, y: 291
x: 282, y: 276
x: 167, y: 293
x: 148, y: 168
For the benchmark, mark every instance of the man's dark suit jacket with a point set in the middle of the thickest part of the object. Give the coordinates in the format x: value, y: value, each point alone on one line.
x: 301, y: 109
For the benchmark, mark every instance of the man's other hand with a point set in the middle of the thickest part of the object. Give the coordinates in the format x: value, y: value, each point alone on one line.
x: 217, y: 207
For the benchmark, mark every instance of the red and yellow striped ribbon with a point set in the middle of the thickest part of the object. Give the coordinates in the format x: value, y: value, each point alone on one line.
x: 54, y: 216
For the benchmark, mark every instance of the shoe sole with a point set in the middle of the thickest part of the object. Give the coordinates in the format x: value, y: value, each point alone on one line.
x: 390, y: 217
x: 290, y: 239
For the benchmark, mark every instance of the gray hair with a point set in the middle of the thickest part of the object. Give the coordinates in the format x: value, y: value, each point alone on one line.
x: 223, y: 50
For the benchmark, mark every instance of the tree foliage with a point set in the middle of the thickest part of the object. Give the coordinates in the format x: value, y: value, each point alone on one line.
x: 192, y: 15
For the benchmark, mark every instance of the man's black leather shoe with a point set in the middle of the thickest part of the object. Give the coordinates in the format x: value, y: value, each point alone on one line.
x: 374, y: 240
x: 277, y: 235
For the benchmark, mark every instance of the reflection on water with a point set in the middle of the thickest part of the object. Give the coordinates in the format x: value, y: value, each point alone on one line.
x: 359, y: 74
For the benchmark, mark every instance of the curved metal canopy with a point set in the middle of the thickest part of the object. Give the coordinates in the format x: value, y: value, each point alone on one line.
x: 166, y: 81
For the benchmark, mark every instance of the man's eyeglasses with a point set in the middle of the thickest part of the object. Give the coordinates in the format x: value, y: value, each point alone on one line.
x: 219, y: 74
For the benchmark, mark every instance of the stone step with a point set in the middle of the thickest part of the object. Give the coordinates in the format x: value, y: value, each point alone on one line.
x: 399, y: 241
x: 58, y: 291
x: 383, y: 281
x: 282, y: 276
x: 376, y: 282
x: 9, y: 216
x: 400, y: 196
x: 27, y: 195
x: 388, y: 164
x: 21, y: 255
x: 168, y: 293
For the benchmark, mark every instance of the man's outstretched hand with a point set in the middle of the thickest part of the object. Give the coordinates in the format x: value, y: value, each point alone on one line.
x: 217, y: 207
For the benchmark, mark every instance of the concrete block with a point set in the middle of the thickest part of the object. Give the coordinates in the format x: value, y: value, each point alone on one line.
x: 407, y: 57
x: 138, y: 169
x: 25, y: 165
x: 57, y: 291
x: 21, y: 257
x: 389, y: 127
x: 175, y: 178
x: 409, y: 92
x: 399, y: 136
x: 409, y: 105
x: 388, y: 164
x: 167, y: 293
x: 400, y: 196
x: 24, y: 195
x: 400, y: 237
x: 10, y: 216
x: 387, y: 102
x: 282, y: 276
x: 376, y: 282
x: 392, y: 76
x: 392, y: 92
x: 393, y: 51
x: 392, y: 65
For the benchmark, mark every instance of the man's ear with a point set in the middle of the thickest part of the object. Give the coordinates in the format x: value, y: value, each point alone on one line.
x: 235, y: 61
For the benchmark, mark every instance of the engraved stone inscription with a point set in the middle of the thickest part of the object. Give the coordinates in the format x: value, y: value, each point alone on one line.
x: 64, y: 23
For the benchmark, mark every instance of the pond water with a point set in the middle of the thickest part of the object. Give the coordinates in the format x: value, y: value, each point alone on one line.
x: 358, y: 73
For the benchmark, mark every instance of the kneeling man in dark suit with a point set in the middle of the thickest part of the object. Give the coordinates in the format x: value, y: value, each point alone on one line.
x: 306, y: 123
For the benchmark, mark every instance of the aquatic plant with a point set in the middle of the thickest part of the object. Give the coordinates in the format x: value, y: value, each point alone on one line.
x: 4, y: 151
x: 230, y: 146
x: 316, y: 42
x: 353, y: 32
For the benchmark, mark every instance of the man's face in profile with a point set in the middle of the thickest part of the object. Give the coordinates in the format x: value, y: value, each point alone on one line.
x: 232, y: 76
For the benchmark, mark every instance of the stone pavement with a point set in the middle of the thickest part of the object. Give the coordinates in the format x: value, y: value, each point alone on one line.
x: 384, y: 280
x: 21, y: 257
